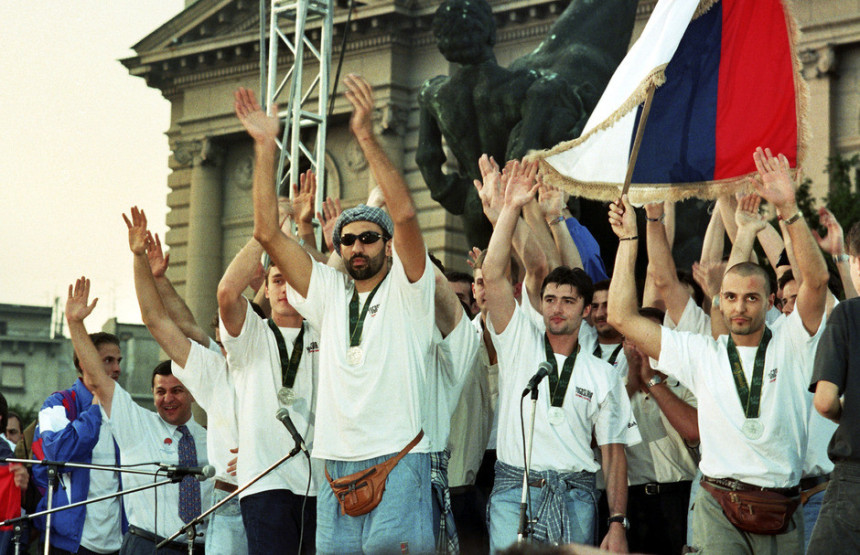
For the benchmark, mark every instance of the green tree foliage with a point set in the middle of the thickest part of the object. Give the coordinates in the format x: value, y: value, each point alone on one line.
x: 844, y: 197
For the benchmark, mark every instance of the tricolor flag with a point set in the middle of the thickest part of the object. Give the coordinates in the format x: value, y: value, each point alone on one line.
x: 727, y: 80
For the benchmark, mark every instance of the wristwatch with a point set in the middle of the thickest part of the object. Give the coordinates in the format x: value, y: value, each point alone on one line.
x: 655, y: 380
x: 840, y: 258
x: 715, y: 301
x: 622, y: 519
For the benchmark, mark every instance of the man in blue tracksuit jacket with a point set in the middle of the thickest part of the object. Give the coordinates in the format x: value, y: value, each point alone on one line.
x: 71, y: 429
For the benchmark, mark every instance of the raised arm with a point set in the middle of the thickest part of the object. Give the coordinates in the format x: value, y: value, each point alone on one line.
x: 176, y: 307
x: 749, y: 223
x: 661, y: 265
x: 408, y: 242
x: 153, y: 312
x: 833, y: 243
x: 304, y: 197
x: 622, y: 312
x: 449, y: 311
x: 552, y: 205
x: 231, y: 303
x: 491, y: 192
x: 499, y: 294
x: 777, y: 187
x: 286, y: 253
x: 94, y: 376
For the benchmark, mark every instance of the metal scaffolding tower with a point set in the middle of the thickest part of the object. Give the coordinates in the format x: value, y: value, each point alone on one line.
x: 305, y: 97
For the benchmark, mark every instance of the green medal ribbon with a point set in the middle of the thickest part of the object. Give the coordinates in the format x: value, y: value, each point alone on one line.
x: 356, y: 322
x: 289, y: 368
x: 750, y: 396
x: 558, y: 384
x: 598, y: 352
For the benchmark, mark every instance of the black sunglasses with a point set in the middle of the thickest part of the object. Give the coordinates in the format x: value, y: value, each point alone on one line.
x: 366, y: 238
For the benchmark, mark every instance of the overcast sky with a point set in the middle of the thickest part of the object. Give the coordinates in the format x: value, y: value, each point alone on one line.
x: 82, y: 141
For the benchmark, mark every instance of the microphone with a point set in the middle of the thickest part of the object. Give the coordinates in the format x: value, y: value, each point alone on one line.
x: 284, y: 416
x: 544, y: 368
x: 177, y: 473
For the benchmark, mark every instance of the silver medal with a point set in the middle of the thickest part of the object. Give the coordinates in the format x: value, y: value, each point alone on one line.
x: 286, y: 395
x: 354, y: 356
x: 555, y: 416
x: 752, y: 428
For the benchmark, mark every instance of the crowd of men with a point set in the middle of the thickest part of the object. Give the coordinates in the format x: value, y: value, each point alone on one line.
x: 678, y: 417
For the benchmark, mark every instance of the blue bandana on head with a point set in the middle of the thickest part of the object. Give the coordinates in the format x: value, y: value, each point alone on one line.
x: 362, y: 213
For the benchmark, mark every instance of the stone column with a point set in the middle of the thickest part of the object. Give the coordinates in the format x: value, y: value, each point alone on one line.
x: 204, y: 264
x: 819, y: 67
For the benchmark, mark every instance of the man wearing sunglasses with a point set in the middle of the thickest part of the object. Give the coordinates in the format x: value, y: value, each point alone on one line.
x: 375, y: 329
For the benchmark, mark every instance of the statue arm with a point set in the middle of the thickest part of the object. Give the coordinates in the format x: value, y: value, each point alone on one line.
x: 449, y: 190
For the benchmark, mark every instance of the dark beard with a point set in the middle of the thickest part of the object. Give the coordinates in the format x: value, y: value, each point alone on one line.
x: 371, y: 268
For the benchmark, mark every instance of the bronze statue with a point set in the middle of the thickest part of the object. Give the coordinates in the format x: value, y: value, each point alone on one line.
x: 542, y: 99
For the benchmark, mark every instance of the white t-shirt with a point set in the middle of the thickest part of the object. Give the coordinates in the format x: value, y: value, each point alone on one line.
x: 595, y: 400
x: 702, y: 365
x: 451, y: 360
x: 693, y: 319
x: 615, y: 353
x: 492, y: 371
x: 143, y: 437
x: 102, y: 531
x: 206, y: 377
x: 255, y: 364
x: 373, y: 408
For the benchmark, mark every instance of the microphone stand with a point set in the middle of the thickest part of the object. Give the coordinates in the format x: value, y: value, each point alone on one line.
x: 53, y: 480
x: 524, y: 530
x: 188, y: 529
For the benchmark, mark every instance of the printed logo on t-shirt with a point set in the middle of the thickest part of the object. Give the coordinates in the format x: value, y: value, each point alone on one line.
x: 313, y: 347
x: 632, y: 424
x: 771, y: 376
x: 373, y: 310
x: 583, y: 393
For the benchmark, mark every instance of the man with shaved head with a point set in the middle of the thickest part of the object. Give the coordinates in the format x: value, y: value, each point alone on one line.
x: 750, y: 384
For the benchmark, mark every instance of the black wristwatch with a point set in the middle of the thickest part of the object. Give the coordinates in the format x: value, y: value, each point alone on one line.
x: 621, y: 519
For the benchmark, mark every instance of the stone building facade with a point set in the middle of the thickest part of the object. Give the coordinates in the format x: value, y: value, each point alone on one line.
x: 209, y: 49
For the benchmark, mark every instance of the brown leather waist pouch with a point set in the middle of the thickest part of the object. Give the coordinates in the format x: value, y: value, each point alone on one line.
x: 757, y: 512
x: 360, y: 492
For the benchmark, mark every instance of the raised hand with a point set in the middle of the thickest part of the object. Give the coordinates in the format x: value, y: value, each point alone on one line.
x: 490, y: 189
x: 550, y: 200
x: 260, y: 126
x: 622, y: 218
x: 709, y: 276
x: 138, y: 236
x: 747, y: 215
x: 158, y: 261
x: 360, y: 94
x: 834, y: 242
x: 328, y: 217
x: 653, y: 210
x: 77, y: 308
x: 473, y: 257
x: 304, y: 197
x: 776, y: 185
x: 522, y: 186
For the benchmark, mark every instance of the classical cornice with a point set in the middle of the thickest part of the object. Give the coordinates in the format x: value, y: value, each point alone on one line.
x: 214, y: 39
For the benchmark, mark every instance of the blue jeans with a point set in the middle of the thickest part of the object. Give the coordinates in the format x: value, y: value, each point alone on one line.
x: 401, y: 523
x: 810, y: 515
x: 273, y: 522
x: 225, y: 533
x: 504, y: 512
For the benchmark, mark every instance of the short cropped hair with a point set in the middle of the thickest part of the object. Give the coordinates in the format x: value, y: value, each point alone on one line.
x: 746, y: 269
x: 99, y: 338
x: 602, y: 285
x: 163, y: 369
x: 575, y: 277
x: 786, y: 278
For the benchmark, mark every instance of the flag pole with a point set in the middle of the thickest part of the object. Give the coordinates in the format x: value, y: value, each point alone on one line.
x: 637, y: 142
